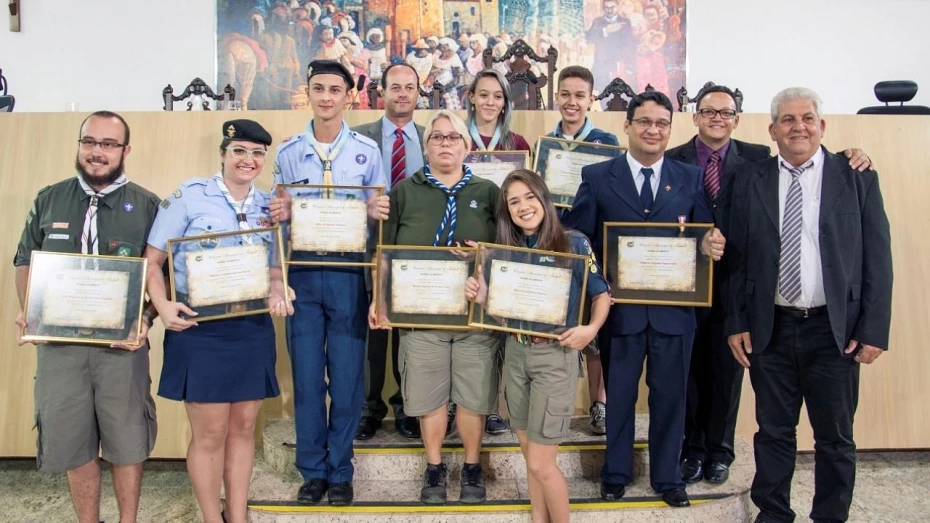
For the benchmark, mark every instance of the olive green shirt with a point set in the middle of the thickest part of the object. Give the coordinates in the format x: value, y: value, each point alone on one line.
x: 56, y: 221
x: 417, y: 208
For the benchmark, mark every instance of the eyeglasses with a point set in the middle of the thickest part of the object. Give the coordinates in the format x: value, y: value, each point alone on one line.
x: 646, y: 123
x: 240, y: 153
x: 439, y: 139
x: 107, y: 147
x: 726, y: 114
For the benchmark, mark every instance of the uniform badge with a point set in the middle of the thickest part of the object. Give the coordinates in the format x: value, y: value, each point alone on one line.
x: 361, y: 159
x: 123, y: 251
x: 59, y: 225
x: 128, y: 207
x: 547, y: 259
x: 668, y: 188
x: 165, y: 203
x: 597, y: 141
x: 263, y: 221
x: 209, y: 243
x: 230, y: 131
x: 473, y: 204
x: 176, y: 193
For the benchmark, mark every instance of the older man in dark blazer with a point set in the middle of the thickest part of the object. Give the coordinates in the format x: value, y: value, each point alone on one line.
x: 643, y: 186
x: 715, y: 379
x: 808, y: 299
x: 401, y: 142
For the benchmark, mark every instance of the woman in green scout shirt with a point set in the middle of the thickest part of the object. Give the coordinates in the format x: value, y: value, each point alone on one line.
x: 540, y: 375
x: 444, y: 205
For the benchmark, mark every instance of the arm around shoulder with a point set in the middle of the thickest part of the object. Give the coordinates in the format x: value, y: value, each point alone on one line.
x: 874, y: 322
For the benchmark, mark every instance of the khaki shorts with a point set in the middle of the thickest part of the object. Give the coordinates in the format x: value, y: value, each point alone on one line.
x: 90, y: 399
x: 438, y: 366
x: 539, y: 386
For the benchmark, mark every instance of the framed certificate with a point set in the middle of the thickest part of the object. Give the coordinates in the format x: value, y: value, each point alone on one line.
x: 658, y: 263
x: 539, y: 293
x: 227, y: 274
x: 80, y: 298
x: 423, y: 287
x: 496, y: 165
x: 329, y: 225
x: 560, y: 161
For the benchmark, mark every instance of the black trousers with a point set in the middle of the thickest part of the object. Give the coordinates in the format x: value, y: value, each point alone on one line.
x: 376, y: 369
x: 803, y: 363
x: 714, y: 384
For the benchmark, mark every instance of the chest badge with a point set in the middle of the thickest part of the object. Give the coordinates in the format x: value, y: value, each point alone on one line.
x: 361, y: 159
x: 123, y: 251
x: 473, y: 204
x: 128, y: 207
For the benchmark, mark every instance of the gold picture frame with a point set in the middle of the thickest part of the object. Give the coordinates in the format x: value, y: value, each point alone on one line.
x: 564, y: 190
x: 235, y: 307
x: 576, y: 272
x: 511, y: 157
x: 432, y: 260
x: 362, y: 256
x: 667, y: 249
x: 65, y: 291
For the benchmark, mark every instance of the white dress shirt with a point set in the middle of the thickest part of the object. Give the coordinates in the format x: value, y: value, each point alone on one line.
x: 638, y: 177
x: 811, y: 180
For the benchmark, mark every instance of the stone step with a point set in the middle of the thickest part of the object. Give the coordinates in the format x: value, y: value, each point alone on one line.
x: 393, y: 501
x: 388, y: 456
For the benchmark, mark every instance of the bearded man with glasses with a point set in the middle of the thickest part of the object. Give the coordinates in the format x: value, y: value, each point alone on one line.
x: 715, y: 378
x: 90, y: 398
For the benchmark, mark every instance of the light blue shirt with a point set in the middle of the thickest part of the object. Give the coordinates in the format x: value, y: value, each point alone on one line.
x: 636, y: 169
x: 413, y: 149
x: 358, y: 163
x: 198, y: 207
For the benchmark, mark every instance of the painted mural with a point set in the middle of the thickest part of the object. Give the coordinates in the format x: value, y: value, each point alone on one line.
x: 264, y: 46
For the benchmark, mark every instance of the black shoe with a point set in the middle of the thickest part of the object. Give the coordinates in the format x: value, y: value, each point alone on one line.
x: 408, y: 427
x: 367, y: 428
x: 494, y: 425
x: 676, y: 498
x: 312, y: 491
x: 341, y: 494
x: 472, y: 484
x: 716, y: 472
x: 692, y: 470
x: 434, y: 485
x: 450, y: 419
x: 612, y: 491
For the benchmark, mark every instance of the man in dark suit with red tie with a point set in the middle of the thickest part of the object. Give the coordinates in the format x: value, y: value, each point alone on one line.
x: 808, y: 299
x: 643, y: 186
x: 715, y: 379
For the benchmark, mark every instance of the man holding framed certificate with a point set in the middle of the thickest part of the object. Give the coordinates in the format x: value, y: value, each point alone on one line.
x: 88, y: 397
x: 326, y: 336
x: 641, y: 187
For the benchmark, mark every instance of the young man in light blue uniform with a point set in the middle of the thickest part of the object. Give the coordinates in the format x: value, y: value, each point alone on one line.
x: 326, y: 335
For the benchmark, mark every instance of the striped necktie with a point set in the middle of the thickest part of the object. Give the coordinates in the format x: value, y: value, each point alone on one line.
x: 398, y: 158
x: 789, y: 263
x: 712, y: 176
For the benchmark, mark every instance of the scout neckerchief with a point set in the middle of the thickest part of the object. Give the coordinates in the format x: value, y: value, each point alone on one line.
x: 449, y: 218
x: 327, y: 159
x: 89, y: 243
x: 479, y: 143
x: 580, y: 137
x: 241, y: 211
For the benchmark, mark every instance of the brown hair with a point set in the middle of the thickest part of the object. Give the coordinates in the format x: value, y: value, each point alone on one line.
x: 552, y: 236
x: 576, y: 71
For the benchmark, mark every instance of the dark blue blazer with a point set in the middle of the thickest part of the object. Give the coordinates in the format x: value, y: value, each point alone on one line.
x: 607, y: 194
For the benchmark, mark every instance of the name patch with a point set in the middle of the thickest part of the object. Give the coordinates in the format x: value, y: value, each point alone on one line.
x: 59, y: 236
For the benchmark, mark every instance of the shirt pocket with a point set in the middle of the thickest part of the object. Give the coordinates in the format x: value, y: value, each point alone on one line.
x: 205, y: 225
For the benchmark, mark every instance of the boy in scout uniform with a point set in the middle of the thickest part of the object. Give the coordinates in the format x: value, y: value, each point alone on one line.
x: 87, y: 397
x: 326, y: 336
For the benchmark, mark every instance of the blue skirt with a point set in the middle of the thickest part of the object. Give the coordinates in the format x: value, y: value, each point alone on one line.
x: 221, y: 361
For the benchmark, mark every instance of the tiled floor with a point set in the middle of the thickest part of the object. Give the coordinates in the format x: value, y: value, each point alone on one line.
x: 891, y: 487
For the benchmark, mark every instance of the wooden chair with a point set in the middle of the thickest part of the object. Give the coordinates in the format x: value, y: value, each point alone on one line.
x: 6, y: 101
x: 196, y: 88
x: 525, y: 85
x: 616, y: 90
x: 684, y: 100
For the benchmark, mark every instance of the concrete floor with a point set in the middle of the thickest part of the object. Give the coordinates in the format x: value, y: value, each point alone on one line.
x: 891, y: 487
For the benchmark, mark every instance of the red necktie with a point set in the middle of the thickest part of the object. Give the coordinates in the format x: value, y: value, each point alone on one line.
x: 398, y: 158
x: 712, y: 176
